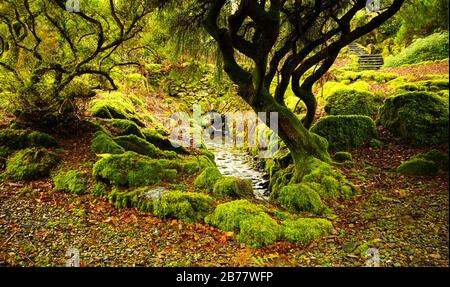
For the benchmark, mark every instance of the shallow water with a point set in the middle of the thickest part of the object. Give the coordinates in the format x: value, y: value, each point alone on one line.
x: 237, y: 163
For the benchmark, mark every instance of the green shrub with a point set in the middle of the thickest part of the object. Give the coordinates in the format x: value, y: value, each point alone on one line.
x: 431, y: 48
x: 300, y: 197
x: 187, y: 206
x: 71, y: 181
x: 206, y: 180
x: 233, y: 187
x: 420, y: 118
x: 141, y: 146
x: 253, y: 225
x: 123, y: 127
x: 132, y: 169
x: 305, y: 230
x: 31, y: 163
x: 352, y: 102
x: 343, y: 156
x: 103, y: 143
x: 346, y: 132
x: 418, y: 167
x: 16, y: 139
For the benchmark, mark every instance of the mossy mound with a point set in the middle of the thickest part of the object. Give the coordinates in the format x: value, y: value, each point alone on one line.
x: 132, y: 169
x: 71, y: 181
x: 114, y: 106
x: 352, y: 102
x: 187, y: 206
x: 439, y: 158
x: 378, y: 77
x: 420, y: 118
x: 207, y: 178
x: 31, y: 163
x: 99, y: 189
x: 141, y: 146
x: 233, y: 187
x: 418, y: 167
x: 342, y: 156
x: 16, y: 139
x: 103, y: 143
x: 161, y: 141
x: 300, y: 197
x: 248, y: 220
x: 130, y: 199
x: 122, y: 127
x: 305, y: 230
x: 346, y: 132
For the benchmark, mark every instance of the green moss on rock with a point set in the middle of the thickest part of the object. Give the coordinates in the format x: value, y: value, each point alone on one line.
x: 346, y: 132
x: 121, y: 127
x: 16, y: 139
x: 420, y: 118
x: 418, y: 167
x: 207, y: 178
x: 439, y: 158
x: 70, y: 181
x: 248, y: 220
x: 31, y: 163
x: 352, y: 102
x: 132, y: 169
x: 301, y: 197
x: 141, y: 146
x: 99, y: 189
x: 233, y: 187
x: 187, y: 206
x: 103, y: 143
x: 113, y: 106
x: 305, y: 230
x: 342, y: 156
x: 155, y: 137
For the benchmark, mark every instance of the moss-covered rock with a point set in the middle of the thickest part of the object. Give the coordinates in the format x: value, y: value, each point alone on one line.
x: 418, y: 167
x: 132, y: 169
x: 119, y: 127
x: 99, y: 189
x: 305, y: 230
x: 300, y: 197
x: 352, y: 102
x: 233, y: 187
x: 31, y: 163
x: 72, y: 181
x: 248, y: 220
x: 161, y: 141
x: 103, y: 143
x: 346, y: 132
x: 187, y: 206
x: 113, y: 106
x: 439, y: 158
x: 141, y: 146
x: 420, y: 118
x: 342, y: 156
x: 16, y: 139
x: 207, y: 178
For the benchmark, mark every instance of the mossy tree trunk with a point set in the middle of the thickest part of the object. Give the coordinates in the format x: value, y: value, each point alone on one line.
x: 256, y: 30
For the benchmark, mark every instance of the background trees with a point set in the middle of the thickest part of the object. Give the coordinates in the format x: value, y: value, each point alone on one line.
x: 49, y: 56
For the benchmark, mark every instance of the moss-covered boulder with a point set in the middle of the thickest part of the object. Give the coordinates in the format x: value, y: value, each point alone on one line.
x: 72, y: 181
x: 31, y: 163
x: 419, y: 118
x: 16, y: 139
x: 305, y: 230
x: 301, y: 197
x: 103, y: 143
x: 187, y: 206
x: 252, y: 225
x: 141, y: 146
x: 346, y: 132
x: 132, y: 169
x: 342, y: 156
x: 161, y: 141
x: 119, y: 127
x: 114, y: 106
x: 233, y: 187
x: 352, y: 102
x: 207, y: 178
x: 438, y: 157
x: 418, y: 167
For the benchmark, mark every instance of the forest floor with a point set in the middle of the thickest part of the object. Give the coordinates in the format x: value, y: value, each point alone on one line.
x: 405, y: 218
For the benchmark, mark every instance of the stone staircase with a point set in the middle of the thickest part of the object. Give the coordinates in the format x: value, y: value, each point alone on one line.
x: 366, y: 61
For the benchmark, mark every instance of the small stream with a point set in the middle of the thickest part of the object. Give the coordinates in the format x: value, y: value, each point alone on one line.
x: 237, y: 163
